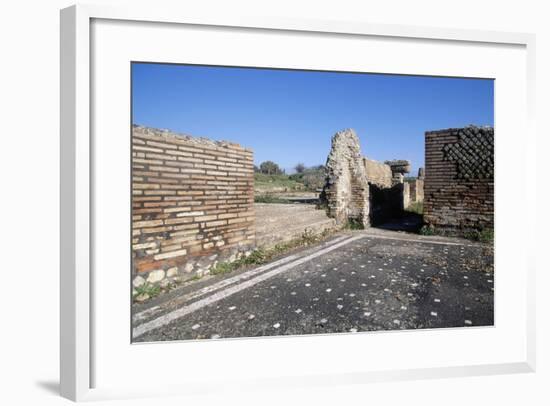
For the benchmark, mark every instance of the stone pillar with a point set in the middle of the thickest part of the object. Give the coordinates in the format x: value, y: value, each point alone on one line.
x: 346, y: 190
x: 406, y: 195
x: 420, y: 186
x: 399, y: 167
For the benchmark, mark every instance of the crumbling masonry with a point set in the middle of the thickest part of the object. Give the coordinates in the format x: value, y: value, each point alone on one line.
x: 359, y: 189
x: 346, y: 191
x: 457, y: 187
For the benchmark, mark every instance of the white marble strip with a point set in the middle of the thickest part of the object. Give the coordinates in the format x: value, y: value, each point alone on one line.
x: 229, y: 281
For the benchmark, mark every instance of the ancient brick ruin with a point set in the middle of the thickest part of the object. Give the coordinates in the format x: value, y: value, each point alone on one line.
x: 362, y: 190
x: 378, y: 173
x: 192, y: 204
x: 346, y: 191
x: 193, y: 198
x: 459, y: 182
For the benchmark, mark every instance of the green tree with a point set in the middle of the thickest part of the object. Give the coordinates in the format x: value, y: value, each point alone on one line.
x: 300, y: 167
x: 270, y: 168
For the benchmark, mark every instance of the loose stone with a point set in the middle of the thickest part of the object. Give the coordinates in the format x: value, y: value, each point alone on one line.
x: 170, y: 273
x: 138, y: 281
x: 156, y: 276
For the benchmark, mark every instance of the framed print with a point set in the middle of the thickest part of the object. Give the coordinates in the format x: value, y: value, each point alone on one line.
x: 274, y: 202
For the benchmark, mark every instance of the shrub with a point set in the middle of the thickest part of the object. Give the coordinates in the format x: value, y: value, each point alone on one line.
x: 427, y: 230
x: 354, y: 224
x: 256, y: 257
x: 485, y: 235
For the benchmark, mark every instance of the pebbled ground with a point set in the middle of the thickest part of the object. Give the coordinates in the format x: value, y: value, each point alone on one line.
x: 373, y: 283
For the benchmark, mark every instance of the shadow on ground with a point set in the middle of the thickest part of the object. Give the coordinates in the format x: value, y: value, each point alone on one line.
x: 409, y: 222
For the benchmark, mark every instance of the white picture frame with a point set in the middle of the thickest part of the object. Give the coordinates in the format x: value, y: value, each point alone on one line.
x: 77, y: 217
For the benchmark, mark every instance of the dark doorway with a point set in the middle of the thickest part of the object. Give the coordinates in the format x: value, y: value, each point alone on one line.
x: 387, y: 211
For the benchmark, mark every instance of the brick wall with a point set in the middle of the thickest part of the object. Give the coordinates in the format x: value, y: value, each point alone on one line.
x: 192, y: 202
x: 459, y: 178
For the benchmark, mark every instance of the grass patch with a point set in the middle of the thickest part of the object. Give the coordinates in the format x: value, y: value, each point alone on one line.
x: 270, y: 199
x: 354, y: 224
x: 261, y: 256
x: 312, y: 178
x: 267, y: 182
x: 484, y: 235
x: 487, y: 236
x: 222, y: 268
x: 256, y: 257
x: 147, y: 288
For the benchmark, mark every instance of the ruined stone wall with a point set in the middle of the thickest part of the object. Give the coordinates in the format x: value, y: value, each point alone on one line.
x: 417, y: 187
x: 346, y: 191
x: 459, y: 180
x: 406, y: 195
x: 417, y: 191
x: 378, y: 173
x: 192, y: 203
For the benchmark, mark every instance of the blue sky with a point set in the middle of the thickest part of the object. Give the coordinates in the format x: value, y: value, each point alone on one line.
x: 289, y: 116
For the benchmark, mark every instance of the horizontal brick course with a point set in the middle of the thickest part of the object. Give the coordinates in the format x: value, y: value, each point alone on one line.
x: 192, y: 198
x: 459, y: 180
